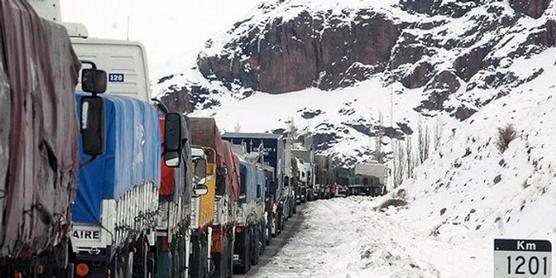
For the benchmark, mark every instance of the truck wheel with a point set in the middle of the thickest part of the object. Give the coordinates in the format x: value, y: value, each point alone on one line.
x: 230, y: 258
x: 141, y: 264
x: 121, y: 265
x: 61, y: 255
x: 256, y: 247
x: 196, y: 264
x: 290, y: 211
x: 247, y: 252
x: 269, y: 230
x: 262, y: 237
x: 129, y: 265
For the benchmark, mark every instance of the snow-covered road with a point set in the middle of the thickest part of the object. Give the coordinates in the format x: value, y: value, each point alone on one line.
x: 346, y: 237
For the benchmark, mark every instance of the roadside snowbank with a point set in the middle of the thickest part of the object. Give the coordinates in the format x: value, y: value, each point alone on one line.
x: 346, y: 237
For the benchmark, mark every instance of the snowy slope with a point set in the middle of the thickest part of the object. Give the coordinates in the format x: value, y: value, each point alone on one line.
x: 341, y: 117
x: 485, y: 192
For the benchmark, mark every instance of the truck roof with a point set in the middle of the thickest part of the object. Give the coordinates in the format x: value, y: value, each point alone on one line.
x: 205, y: 133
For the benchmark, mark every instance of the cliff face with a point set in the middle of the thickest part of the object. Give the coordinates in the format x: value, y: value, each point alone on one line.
x: 439, y: 46
x: 310, y: 49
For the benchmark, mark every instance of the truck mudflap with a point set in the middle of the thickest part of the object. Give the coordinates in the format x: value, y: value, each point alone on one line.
x: 42, y: 71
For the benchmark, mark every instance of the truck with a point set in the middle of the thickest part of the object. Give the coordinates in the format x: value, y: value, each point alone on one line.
x: 305, y: 161
x: 223, y: 175
x: 323, y: 175
x: 39, y: 157
x: 370, y: 179
x: 289, y: 184
x: 251, y: 226
x: 115, y: 212
x: 343, y: 178
x: 272, y: 146
x: 250, y: 216
x: 183, y: 181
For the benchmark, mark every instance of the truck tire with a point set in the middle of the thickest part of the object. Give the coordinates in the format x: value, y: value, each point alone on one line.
x: 269, y: 230
x: 241, y: 249
x: 61, y: 254
x: 262, y: 238
x: 198, y: 258
x: 230, y: 259
x: 247, y: 252
x: 140, y: 265
x: 123, y: 264
x: 256, y: 248
x: 222, y: 261
x: 290, y: 211
x: 129, y: 265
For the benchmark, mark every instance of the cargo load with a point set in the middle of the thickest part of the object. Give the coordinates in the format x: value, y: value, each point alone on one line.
x: 38, y: 130
x: 124, y: 181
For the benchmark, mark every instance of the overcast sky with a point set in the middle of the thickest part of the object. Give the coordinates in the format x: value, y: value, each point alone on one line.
x: 173, y: 31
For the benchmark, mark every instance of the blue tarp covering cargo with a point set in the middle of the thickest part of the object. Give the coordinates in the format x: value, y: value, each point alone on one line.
x: 132, y: 156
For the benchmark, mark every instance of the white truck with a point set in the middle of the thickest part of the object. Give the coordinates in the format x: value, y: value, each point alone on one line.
x: 306, y: 166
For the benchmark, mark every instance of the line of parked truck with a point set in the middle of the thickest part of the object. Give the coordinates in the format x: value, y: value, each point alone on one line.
x: 98, y: 180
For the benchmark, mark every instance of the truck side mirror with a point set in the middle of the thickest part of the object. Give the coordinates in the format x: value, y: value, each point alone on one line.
x: 92, y: 125
x: 222, y: 171
x: 172, y: 140
x: 93, y: 80
x: 200, y: 190
x: 200, y: 170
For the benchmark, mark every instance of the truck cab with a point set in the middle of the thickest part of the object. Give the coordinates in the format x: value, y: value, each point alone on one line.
x: 124, y: 61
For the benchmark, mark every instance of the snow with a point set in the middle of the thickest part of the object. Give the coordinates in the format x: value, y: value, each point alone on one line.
x: 361, y: 104
x: 348, y: 237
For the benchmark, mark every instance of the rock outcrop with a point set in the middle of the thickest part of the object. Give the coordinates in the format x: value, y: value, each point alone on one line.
x: 311, y: 49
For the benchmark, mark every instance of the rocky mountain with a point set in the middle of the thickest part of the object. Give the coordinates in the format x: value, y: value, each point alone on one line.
x: 402, y: 59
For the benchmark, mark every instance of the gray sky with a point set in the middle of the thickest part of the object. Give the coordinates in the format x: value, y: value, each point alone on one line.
x: 173, y: 31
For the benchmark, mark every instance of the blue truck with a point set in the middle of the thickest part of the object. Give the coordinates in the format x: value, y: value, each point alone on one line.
x: 115, y: 210
x: 273, y: 150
